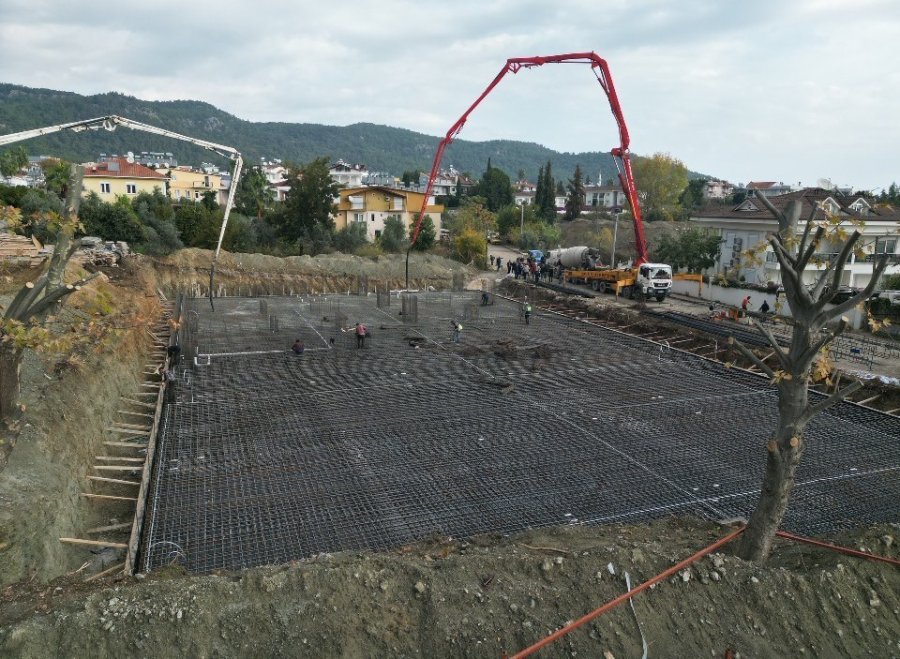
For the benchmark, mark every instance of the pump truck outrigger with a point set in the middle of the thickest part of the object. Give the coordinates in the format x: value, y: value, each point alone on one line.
x: 621, y: 156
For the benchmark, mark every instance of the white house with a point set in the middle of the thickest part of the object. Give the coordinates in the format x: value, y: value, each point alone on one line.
x: 347, y: 174
x: 746, y: 225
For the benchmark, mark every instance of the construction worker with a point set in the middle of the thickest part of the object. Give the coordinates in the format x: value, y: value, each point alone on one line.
x: 298, y: 347
x: 457, y: 330
x: 361, y: 334
x: 745, y: 304
x: 527, y: 310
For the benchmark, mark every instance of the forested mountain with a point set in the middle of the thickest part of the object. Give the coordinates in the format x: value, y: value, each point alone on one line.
x: 382, y: 148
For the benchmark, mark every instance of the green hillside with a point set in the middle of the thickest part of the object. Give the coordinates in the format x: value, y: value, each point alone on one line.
x: 382, y: 148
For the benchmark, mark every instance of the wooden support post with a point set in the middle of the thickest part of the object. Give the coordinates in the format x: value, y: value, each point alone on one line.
x: 144, y: 414
x: 868, y: 400
x: 133, y: 426
x: 94, y: 543
x: 127, y: 431
x: 119, y: 481
x: 117, y: 458
x: 107, y: 571
x: 107, y: 496
x: 127, y: 444
x: 111, y: 527
x: 118, y: 467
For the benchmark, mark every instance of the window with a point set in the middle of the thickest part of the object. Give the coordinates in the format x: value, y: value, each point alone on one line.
x: 131, y: 188
x: 359, y: 217
x: 886, y: 245
x: 736, y: 249
x: 104, y: 188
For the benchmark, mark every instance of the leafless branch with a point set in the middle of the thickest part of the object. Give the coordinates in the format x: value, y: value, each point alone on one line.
x: 806, y: 254
x: 837, y: 268
x: 833, y: 399
x: 782, y: 357
x: 827, y: 314
x: 809, y: 224
x: 810, y: 352
x: 749, y: 354
x: 57, y: 294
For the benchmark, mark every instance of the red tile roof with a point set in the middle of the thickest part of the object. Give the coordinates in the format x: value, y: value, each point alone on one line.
x: 120, y: 167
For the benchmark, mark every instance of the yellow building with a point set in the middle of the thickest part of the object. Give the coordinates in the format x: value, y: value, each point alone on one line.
x: 117, y: 176
x: 186, y: 184
x: 373, y: 205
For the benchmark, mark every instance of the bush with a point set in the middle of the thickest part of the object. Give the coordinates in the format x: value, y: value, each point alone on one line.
x: 891, y: 283
x: 351, y: 238
x: 369, y: 251
x: 393, y: 238
x: 470, y: 246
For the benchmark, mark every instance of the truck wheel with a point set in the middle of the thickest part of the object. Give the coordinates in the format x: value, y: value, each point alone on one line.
x: 595, y: 285
x: 628, y: 292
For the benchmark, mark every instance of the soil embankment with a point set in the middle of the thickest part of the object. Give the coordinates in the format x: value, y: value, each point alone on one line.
x: 440, y: 598
x: 482, y: 598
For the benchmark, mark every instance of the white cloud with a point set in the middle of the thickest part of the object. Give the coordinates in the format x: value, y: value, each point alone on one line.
x: 786, y: 91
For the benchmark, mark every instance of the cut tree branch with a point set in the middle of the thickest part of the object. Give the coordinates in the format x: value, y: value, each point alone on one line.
x: 810, y: 353
x: 827, y: 314
x: 749, y: 354
x: 809, y: 223
x: 806, y: 254
x: 782, y: 358
x: 47, y: 301
x: 837, y: 268
x: 833, y: 399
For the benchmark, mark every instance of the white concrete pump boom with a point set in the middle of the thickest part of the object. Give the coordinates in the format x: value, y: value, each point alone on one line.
x: 111, y: 122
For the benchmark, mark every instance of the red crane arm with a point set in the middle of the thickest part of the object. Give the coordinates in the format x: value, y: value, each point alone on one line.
x: 620, y: 153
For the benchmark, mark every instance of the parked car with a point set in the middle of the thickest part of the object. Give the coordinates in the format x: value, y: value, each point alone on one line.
x: 893, y: 296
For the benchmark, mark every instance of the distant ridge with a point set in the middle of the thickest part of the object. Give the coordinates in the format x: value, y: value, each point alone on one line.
x: 382, y: 148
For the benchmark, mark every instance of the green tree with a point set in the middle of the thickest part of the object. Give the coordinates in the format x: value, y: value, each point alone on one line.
x: 306, y: 214
x: 427, y: 234
x: 155, y: 212
x: 198, y: 225
x: 56, y: 175
x: 545, y: 194
x: 512, y: 217
x: 694, y: 249
x: 393, y: 237
x: 351, y: 237
x: 692, y: 196
x: 116, y: 221
x: 254, y: 197
x: 560, y: 188
x: 520, y: 175
x: 660, y: 180
x: 536, y: 235
x: 495, y: 187
x: 891, y: 283
x: 208, y: 201
x: 473, y: 214
x: 576, y: 195
x: 410, y: 178
x: 470, y: 246
x: 13, y: 160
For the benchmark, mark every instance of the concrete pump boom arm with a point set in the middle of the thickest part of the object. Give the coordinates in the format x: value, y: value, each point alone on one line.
x: 111, y: 122
x: 621, y: 153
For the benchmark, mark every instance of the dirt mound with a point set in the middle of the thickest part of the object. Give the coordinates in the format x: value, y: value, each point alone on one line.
x: 253, y: 274
x: 482, y: 598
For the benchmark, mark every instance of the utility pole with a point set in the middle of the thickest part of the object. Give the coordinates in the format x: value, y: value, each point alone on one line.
x: 615, y: 214
x: 522, y: 219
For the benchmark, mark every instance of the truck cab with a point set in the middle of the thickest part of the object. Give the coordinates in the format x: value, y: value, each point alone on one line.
x: 654, y: 280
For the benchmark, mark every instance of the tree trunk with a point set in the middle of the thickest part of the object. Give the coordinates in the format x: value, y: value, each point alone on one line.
x: 10, y: 365
x: 785, y: 449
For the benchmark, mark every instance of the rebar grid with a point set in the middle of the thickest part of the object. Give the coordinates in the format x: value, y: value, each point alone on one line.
x: 270, y: 457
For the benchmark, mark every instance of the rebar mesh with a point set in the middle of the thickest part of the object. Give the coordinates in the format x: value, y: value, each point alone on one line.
x: 267, y: 457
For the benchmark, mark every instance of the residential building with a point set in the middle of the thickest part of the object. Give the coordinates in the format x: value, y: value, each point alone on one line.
x: 373, y: 205
x: 715, y: 189
x: 746, y: 225
x: 187, y: 184
x: 603, y: 197
x: 768, y: 188
x: 523, y: 192
x: 384, y: 179
x: 348, y: 174
x: 118, y: 176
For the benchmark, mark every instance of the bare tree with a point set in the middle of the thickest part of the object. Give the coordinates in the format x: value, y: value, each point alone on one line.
x: 23, y: 323
x: 813, y: 331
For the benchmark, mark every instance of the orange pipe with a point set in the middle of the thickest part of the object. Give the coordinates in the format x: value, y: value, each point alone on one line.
x: 838, y: 548
x: 559, y: 633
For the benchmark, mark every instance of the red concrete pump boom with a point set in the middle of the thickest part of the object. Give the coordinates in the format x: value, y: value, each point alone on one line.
x: 620, y: 153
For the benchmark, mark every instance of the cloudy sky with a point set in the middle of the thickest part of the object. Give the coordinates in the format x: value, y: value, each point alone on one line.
x: 793, y: 90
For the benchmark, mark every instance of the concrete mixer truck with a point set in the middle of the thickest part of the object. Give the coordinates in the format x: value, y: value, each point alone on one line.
x: 582, y: 266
